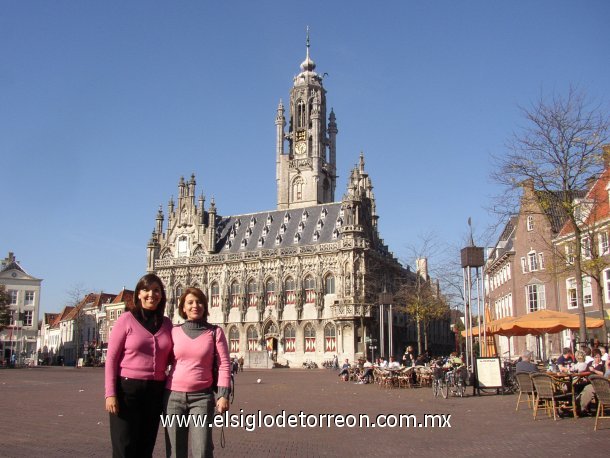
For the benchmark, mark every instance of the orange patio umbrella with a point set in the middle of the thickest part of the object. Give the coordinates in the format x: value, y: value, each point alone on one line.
x: 492, y: 327
x: 544, y: 322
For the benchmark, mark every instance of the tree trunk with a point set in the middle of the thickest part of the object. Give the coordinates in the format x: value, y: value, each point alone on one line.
x: 600, y: 299
x: 418, y: 324
x: 582, y: 330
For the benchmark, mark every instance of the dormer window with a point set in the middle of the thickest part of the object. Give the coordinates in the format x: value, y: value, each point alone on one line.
x: 244, y: 243
x: 339, y: 222
x: 248, y: 232
x: 316, y: 236
x: 301, y: 226
x: 232, y: 234
x: 320, y: 225
x: 282, y: 229
x: 269, y: 219
x: 278, y: 239
x: 335, y: 233
x: 305, y: 215
x: 341, y: 212
x: 286, y: 217
x: 297, y: 237
x: 324, y: 213
x: 237, y: 223
x: 228, y: 245
x: 252, y: 221
x: 265, y: 230
x: 261, y: 242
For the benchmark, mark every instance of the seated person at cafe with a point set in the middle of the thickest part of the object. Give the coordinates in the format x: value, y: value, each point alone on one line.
x: 345, y: 370
x: 587, y: 395
x: 393, y: 364
x: 383, y: 363
x: 581, y: 364
x: 588, y: 354
x: 597, y: 366
x: 565, y: 360
x: 454, y: 359
x: 526, y: 365
x: 604, y: 352
x: 366, y: 376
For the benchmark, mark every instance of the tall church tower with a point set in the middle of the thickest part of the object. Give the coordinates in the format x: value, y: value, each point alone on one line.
x: 306, y: 172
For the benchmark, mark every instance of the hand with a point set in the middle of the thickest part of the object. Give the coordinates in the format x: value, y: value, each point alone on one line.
x: 222, y: 405
x: 112, y: 405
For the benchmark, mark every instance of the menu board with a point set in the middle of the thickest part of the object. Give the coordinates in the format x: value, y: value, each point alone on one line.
x: 489, y: 374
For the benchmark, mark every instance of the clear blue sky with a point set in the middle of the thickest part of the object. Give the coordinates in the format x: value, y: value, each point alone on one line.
x: 105, y: 104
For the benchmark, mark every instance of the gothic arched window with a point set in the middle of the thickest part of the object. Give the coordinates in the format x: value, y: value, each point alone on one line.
x: 289, y: 339
x: 330, y: 339
x: 301, y: 114
x: 310, y: 290
x: 289, y: 289
x: 310, y: 338
x: 234, y: 339
x: 252, y: 339
x: 270, y: 292
x: 215, y: 295
x: 182, y: 246
x: 252, y: 294
x: 235, y: 294
x: 297, y: 189
x: 329, y: 284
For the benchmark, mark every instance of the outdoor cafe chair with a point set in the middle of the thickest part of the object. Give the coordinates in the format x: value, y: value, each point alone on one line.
x: 405, y: 377
x: 548, y: 395
x: 601, y: 388
x: 526, y: 386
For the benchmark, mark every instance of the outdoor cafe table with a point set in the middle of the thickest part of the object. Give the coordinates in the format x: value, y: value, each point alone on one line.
x: 570, y: 380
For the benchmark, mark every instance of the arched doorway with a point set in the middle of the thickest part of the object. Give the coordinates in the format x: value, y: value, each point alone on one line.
x: 271, y: 334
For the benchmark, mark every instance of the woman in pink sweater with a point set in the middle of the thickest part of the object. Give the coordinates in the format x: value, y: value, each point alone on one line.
x: 139, y: 350
x: 198, y: 346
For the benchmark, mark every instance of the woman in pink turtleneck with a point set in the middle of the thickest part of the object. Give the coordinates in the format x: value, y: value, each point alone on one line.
x: 139, y: 349
x: 198, y: 345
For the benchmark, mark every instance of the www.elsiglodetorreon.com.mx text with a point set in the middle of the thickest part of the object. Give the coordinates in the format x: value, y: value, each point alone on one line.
x: 252, y: 421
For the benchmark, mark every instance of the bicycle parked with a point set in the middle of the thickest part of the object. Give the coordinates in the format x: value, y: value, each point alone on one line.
x: 310, y: 365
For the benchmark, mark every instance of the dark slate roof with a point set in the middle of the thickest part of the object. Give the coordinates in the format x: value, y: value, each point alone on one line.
x: 233, y: 230
x: 13, y: 265
x: 506, y: 240
x: 551, y: 205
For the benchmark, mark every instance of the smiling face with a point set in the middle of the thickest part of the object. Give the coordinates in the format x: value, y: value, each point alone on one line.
x: 193, y: 307
x: 150, y: 296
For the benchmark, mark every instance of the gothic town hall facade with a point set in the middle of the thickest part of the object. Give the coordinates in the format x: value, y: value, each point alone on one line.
x: 297, y: 283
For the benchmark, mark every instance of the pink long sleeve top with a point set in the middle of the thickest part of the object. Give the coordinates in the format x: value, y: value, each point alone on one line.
x: 136, y: 353
x: 192, y: 368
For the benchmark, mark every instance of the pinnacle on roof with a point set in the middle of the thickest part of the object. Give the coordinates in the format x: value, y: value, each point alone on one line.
x: 308, y: 65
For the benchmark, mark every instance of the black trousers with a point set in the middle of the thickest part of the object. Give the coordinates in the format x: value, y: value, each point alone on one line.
x: 133, y: 431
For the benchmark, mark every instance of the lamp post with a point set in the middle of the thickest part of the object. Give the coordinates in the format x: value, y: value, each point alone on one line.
x: 372, y: 348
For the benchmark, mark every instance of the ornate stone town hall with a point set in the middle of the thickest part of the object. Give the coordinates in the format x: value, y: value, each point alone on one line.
x: 297, y: 283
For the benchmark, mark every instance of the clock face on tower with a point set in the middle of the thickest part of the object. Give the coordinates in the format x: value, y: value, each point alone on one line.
x: 300, y: 148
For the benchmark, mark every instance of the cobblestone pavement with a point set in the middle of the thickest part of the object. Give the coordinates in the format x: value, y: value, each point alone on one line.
x: 58, y: 412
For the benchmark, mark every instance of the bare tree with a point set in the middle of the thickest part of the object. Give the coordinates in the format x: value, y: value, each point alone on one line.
x: 558, y: 150
x: 420, y: 297
x: 5, y: 311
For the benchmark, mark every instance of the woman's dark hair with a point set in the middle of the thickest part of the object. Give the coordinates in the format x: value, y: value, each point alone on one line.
x: 146, y: 282
x: 199, y: 295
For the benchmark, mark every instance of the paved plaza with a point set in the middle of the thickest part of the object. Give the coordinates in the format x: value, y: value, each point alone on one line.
x: 58, y: 412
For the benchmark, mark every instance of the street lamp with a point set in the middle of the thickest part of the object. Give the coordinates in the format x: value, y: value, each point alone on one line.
x: 372, y: 348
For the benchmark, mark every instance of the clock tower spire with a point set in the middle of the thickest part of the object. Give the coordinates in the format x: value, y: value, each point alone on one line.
x: 306, y: 170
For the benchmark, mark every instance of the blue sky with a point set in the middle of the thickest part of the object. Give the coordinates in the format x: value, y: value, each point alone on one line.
x: 105, y: 104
